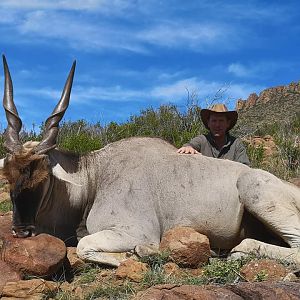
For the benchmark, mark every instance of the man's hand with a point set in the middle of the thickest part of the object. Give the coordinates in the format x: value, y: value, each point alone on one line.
x: 187, y: 150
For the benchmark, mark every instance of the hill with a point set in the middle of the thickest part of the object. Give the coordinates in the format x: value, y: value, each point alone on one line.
x: 281, y: 103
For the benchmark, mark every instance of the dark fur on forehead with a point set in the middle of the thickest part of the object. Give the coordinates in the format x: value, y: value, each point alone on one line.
x: 19, y: 164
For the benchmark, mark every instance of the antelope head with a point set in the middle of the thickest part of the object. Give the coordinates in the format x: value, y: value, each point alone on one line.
x: 27, y: 167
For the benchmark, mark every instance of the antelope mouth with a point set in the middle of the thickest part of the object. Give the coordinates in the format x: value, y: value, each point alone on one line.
x: 23, y: 231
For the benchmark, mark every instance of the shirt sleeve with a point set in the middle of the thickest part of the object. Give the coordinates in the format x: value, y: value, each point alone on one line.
x: 196, y: 142
x: 241, y: 153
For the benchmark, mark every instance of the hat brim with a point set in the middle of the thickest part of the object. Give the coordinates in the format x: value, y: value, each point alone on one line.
x: 231, y: 115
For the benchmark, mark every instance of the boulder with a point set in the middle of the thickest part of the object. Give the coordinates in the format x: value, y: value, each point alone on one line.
x: 187, y: 247
x: 41, y: 255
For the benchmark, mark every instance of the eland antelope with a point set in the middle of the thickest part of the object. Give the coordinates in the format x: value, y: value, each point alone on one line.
x: 127, y: 194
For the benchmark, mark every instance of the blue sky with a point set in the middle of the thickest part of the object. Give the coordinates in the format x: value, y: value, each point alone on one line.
x: 136, y: 54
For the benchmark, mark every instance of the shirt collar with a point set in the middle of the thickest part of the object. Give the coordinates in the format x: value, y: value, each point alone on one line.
x: 210, y: 138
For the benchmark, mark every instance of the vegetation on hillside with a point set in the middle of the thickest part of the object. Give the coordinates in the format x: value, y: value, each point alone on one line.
x: 178, y: 127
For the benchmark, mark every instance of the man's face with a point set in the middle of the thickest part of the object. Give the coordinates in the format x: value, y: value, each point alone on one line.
x: 218, y: 124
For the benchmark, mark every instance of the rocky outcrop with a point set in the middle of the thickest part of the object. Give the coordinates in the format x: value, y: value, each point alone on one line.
x: 277, y: 104
x: 245, y: 104
x: 270, y: 94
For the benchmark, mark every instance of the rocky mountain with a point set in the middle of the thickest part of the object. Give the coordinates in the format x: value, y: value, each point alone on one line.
x: 274, y: 104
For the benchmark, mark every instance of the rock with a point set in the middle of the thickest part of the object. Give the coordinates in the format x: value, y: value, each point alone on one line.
x: 8, y: 274
x: 29, y: 289
x: 263, y: 270
x: 132, y: 269
x: 146, y: 250
x: 295, y: 181
x: 266, y: 143
x: 171, y: 268
x: 258, y: 290
x: 72, y: 289
x: 75, y: 261
x: 290, y: 277
x: 267, y: 290
x: 186, y: 292
x: 41, y: 255
x: 4, y: 196
x: 245, y: 104
x: 187, y: 247
x: 5, y: 226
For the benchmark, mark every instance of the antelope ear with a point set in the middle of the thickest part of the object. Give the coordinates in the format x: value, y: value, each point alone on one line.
x: 62, y: 169
x: 60, y: 173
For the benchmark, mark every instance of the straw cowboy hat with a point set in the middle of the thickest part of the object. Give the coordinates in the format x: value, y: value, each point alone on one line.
x: 219, y: 109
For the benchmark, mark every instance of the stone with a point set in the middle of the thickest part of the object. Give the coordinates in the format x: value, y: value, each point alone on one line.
x: 246, y: 104
x: 29, y: 289
x: 263, y: 270
x: 295, y: 181
x: 186, y: 292
x: 266, y: 143
x: 75, y: 262
x: 171, y: 268
x: 290, y: 277
x: 187, y: 247
x: 5, y: 226
x: 267, y: 290
x: 4, y: 196
x: 146, y: 250
x: 41, y: 255
x: 245, y: 290
x: 8, y: 274
x: 132, y: 269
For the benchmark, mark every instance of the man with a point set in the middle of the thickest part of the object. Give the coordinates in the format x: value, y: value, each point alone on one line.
x: 218, y: 142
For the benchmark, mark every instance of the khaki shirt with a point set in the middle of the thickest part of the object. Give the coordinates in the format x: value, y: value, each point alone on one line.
x: 234, y: 148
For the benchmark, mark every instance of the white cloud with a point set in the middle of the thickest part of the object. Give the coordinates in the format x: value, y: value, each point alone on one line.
x: 64, y: 30
x: 104, y: 6
x: 203, y: 91
x: 239, y: 70
x: 260, y: 69
x: 124, y: 27
x: 197, y: 36
x: 112, y: 94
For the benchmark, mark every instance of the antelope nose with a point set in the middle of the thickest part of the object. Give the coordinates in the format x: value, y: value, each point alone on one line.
x: 23, y: 232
